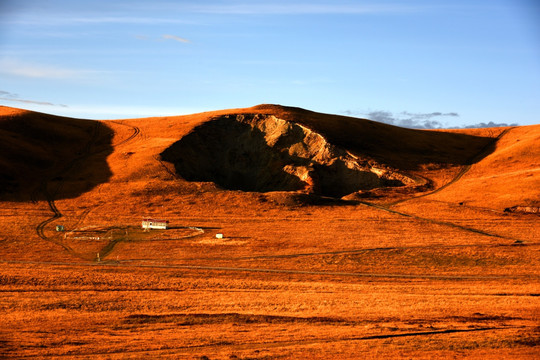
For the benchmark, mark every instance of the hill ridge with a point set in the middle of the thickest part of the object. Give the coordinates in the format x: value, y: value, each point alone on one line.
x: 420, y: 160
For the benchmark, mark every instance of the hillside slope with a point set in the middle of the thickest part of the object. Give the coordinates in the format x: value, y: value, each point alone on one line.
x: 212, y: 147
x: 508, y: 177
x: 265, y: 148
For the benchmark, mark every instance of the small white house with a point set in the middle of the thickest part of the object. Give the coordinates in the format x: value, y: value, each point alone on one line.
x: 148, y: 223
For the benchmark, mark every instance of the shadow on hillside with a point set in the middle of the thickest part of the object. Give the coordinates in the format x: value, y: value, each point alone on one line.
x: 45, y: 157
x: 439, y: 149
x: 237, y: 156
x: 232, y: 155
x: 401, y: 148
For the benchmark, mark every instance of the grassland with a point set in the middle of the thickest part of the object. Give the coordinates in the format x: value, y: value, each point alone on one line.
x: 441, y: 273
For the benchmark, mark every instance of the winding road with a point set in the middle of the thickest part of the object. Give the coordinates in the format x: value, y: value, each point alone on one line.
x: 135, y: 132
x: 84, y: 153
x: 486, y: 150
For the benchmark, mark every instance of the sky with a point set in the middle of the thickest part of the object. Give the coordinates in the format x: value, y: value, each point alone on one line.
x: 415, y: 63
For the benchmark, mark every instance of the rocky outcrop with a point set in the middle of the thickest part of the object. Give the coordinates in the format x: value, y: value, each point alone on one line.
x: 523, y: 209
x: 262, y: 153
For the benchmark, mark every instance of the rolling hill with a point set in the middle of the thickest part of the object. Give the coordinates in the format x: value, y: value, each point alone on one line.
x: 267, y: 148
x: 292, y: 234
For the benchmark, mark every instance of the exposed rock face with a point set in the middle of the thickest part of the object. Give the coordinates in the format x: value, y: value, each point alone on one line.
x: 264, y: 153
x: 523, y: 209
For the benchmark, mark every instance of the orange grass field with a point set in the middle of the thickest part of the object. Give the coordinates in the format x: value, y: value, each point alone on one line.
x: 445, y: 265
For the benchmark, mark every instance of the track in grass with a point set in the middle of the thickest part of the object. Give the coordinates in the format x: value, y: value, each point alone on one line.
x: 483, y: 153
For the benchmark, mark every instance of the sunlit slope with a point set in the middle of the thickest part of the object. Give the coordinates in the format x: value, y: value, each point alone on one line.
x: 509, y: 176
x: 405, y: 149
x: 323, y: 154
x: 398, y: 150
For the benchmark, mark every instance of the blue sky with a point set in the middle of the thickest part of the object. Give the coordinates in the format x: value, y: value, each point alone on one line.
x: 415, y: 63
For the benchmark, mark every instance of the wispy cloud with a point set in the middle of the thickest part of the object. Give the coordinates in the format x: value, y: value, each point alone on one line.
x: 8, y: 96
x: 13, y: 67
x: 122, y: 20
x: 69, y: 19
x: 300, y: 8
x: 278, y: 7
x: 175, y: 38
x: 163, y: 38
x: 179, y: 12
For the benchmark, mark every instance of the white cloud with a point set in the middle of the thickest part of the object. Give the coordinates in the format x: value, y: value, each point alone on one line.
x: 178, y: 13
x: 291, y: 8
x: 297, y: 7
x: 175, y: 38
x: 163, y: 38
x: 122, y: 20
x: 69, y: 19
x: 13, y: 67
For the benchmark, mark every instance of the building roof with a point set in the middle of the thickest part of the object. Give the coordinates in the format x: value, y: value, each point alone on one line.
x: 156, y: 220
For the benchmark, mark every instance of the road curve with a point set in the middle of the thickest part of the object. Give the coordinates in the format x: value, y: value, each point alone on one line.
x: 483, y: 153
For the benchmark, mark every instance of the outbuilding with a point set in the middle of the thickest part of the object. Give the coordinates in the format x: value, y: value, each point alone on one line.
x: 149, y: 223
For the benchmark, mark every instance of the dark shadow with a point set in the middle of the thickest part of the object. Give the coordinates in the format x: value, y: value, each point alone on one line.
x: 233, y: 155
x: 46, y: 157
x: 297, y: 199
x: 401, y: 148
x: 225, y: 318
x: 337, y: 180
x: 236, y: 156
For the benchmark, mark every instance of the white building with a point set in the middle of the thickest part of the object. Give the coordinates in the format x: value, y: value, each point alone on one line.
x: 148, y: 223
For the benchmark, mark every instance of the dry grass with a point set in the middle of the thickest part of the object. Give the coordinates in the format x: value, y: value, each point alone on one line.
x: 422, y: 278
x: 507, y: 177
